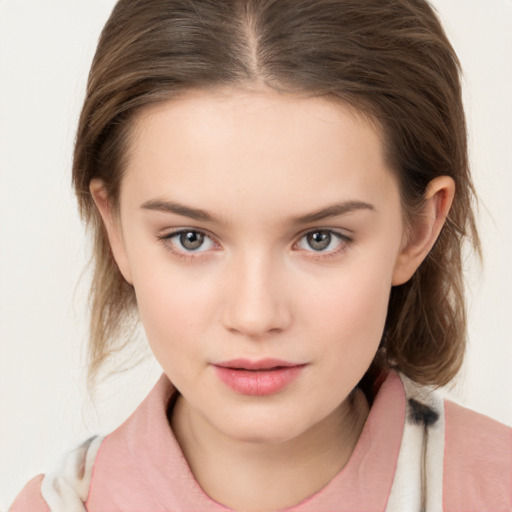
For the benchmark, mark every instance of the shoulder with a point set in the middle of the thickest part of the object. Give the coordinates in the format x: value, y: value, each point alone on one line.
x: 477, y: 461
x: 30, y: 498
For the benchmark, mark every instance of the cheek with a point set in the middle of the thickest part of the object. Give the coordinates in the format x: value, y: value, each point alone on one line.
x: 357, y: 295
x: 169, y: 306
x: 350, y: 314
x: 173, y: 320
x: 174, y: 307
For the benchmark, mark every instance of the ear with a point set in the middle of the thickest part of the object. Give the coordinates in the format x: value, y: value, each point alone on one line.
x: 425, y: 228
x: 112, y: 225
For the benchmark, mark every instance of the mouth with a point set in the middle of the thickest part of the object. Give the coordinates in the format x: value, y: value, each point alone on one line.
x: 258, y: 378
x: 261, y: 365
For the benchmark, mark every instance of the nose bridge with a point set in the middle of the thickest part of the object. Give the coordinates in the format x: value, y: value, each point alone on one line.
x: 257, y: 303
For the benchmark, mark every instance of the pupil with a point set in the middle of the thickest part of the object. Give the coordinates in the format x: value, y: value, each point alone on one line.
x: 319, y: 240
x: 191, y: 240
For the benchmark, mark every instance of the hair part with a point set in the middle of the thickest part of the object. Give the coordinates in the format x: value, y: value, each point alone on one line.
x: 389, y: 59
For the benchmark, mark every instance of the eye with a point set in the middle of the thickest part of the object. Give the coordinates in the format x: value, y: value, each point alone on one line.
x: 323, y: 241
x: 188, y: 241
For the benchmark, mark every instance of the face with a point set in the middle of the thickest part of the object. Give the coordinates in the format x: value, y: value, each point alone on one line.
x: 262, y: 234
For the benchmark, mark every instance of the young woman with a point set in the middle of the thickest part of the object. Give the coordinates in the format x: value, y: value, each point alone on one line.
x: 279, y: 190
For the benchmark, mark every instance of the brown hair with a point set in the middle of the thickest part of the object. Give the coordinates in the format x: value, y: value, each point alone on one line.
x: 388, y: 58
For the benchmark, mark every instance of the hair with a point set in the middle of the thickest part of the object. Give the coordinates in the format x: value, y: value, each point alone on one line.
x: 389, y: 59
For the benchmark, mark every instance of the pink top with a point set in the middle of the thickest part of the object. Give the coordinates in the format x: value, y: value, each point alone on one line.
x: 140, y: 465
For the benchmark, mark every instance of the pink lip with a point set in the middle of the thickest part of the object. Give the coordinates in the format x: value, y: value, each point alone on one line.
x: 257, y: 378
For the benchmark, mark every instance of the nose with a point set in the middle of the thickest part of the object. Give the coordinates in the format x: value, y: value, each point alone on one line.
x: 257, y: 302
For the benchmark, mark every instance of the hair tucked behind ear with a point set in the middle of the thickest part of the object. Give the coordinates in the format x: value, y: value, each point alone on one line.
x: 388, y: 58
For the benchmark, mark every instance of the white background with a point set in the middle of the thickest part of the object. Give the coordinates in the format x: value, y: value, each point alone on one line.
x: 45, y: 50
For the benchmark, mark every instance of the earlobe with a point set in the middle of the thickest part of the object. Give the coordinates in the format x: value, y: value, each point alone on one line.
x: 425, y: 229
x: 112, y: 227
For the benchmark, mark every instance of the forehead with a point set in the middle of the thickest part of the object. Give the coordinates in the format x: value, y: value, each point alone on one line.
x: 242, y: 108
x: 245, y: 143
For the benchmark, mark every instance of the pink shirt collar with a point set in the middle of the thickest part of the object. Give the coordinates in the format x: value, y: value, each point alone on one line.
x: 140, y: 466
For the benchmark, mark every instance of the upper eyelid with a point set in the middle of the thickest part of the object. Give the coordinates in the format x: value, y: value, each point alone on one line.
x: 172, y: 233
x: 344, y: 243
x: 166, y: 238
x: 336, y: 230
x: 340, y: 233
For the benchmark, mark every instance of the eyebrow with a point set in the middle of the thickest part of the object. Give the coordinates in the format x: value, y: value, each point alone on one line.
x: 180, y: 209
x: 333, y: 210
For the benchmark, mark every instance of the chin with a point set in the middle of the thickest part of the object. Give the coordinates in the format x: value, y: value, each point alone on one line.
x: 262, y: 429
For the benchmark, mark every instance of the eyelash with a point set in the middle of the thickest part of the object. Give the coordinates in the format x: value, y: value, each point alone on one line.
x: 166, y: 241
x: 344, y: 242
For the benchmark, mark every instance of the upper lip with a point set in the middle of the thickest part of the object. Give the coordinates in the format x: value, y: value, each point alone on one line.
x: 261, y: 364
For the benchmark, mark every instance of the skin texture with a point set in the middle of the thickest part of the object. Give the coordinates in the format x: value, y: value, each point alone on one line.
x: 256, y: 287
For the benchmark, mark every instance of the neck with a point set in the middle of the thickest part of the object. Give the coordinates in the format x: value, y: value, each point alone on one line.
x: 256, y: 477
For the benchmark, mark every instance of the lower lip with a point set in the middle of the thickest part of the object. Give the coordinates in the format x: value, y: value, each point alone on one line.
x: 258, y: 382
